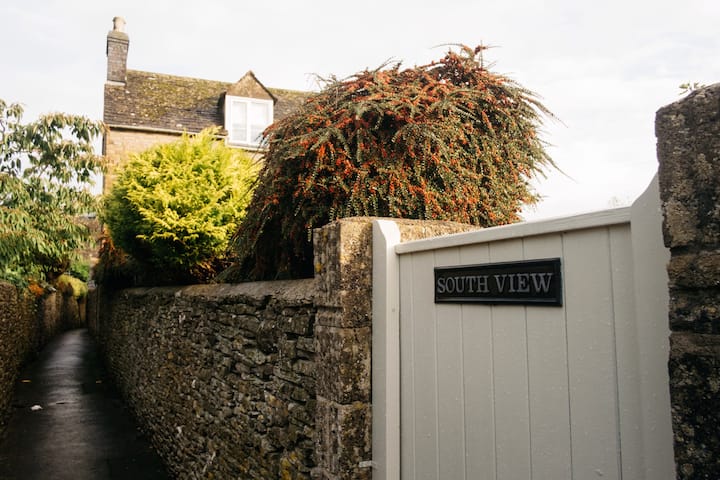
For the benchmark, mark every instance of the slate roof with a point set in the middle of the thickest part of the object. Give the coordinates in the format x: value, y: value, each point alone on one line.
x: 157, y: 101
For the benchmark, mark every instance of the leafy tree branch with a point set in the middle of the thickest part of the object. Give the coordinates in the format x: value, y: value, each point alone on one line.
x: 46, y: 170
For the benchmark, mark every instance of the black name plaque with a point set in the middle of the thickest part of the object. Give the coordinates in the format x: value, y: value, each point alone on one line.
x: 527, y: 282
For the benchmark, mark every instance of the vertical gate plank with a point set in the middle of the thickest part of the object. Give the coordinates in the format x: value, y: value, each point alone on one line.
x: 424, y: 357
x: 591, y: 359
x: 548, y: 377
x: 451, y: 407
x: 512, y: 423
x: 626, y: 341
x: 407, y: 369
x: 479, y: 393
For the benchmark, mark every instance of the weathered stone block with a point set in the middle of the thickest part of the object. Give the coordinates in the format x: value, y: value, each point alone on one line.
x: 267, y: 336
x: 344, y: 440
x: 688, y: 148
x: 343, y: 268
x: 695, y: 395
x: 249, y: 323
x: 305, y: 345
x: 695, y: 310
x: 343, y: 359
x: 695, y: 270
x: 287, y: 348
x: 297, y: 324
x: 305, y: 368
x: 419, y: 229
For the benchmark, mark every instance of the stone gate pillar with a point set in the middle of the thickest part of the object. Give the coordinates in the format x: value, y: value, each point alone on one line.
x: 343, y: 341
x: 343, y: 336
x: 688, y: 146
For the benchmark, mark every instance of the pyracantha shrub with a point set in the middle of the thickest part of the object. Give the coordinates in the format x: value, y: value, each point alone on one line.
x: 446, y: 141
x: 174, y: 207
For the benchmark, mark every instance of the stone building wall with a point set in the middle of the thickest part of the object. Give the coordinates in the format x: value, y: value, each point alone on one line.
x: 688, y: 134
x: 120, y: 144
x: 27, y: 323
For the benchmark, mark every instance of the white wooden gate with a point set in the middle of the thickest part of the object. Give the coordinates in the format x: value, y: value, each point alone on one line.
x: 469, y: 391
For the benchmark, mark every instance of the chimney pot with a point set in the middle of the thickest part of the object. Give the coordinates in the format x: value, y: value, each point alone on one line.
x: 119, y: 24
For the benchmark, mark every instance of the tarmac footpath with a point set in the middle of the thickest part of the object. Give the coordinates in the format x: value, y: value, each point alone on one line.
x: 69, y: 422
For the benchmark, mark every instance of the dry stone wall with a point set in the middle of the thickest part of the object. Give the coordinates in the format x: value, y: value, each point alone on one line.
x: 688, y: 134
x: 17, y: 340
x: 222, y: 376
x: 27, y: 323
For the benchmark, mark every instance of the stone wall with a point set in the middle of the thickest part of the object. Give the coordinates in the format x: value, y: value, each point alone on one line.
x: 688, y: 134
x: 17, y: 340
x: 223, y: 376
x: 27, y: 323
x: 257, y: 380
x: 343, y: 334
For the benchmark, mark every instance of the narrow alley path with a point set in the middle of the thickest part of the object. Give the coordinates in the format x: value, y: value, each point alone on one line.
x: 82, y: 431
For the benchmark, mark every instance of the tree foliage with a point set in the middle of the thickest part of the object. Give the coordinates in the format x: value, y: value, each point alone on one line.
x: 175, y: 206
x: 449, y: 141
x: 46, y: 169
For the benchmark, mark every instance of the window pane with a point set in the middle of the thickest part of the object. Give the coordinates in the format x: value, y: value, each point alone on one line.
x: 238, y: 127
x: 246, y: 118
x: 259, y: 120
x: 238, y: 133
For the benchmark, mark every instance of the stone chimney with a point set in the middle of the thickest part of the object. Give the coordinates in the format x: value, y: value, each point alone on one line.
x: 117, y: 50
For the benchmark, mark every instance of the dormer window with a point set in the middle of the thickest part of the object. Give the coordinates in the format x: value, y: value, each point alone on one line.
x: 246, y: 118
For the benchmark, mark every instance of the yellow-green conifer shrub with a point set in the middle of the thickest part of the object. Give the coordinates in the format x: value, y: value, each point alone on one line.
x: 174, y: 207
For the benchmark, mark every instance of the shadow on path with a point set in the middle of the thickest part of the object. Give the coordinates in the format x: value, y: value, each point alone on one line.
x: 82, y: 431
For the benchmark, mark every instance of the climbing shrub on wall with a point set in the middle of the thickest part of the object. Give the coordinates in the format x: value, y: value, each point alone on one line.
x: 174, y: 207
x: 448, y: 141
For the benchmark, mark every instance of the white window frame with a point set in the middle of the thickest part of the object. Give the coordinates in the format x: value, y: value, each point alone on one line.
x: 234, y: 137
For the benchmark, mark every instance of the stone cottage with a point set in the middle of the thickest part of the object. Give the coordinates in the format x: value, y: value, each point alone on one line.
x: 142, y: 109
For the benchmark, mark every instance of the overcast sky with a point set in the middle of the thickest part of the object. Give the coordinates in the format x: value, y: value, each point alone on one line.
x: 603, y: 68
